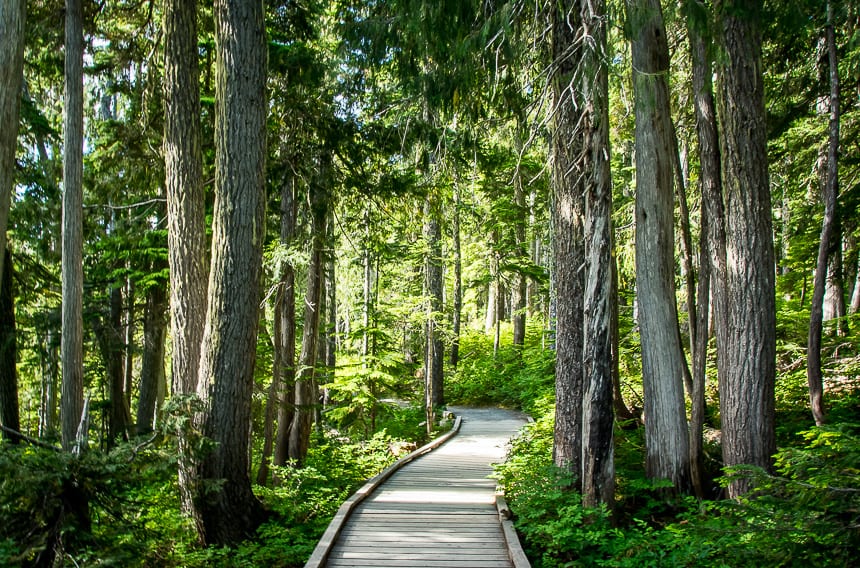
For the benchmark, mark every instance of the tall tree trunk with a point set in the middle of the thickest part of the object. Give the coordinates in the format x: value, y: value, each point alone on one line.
x: 112, y: 352
x: 434, y: 348
x: 457, y: 299
x: 13, y: 14
x: 152, y: 363
x: 129, y: 327
x: 747, y: 389
x: 666, y: 437
x: 285, y: 336
x: 231, y: 512
x: 367, y: 290
x: 306, y: 396
x: 8, y: 353
x: 712, y: 238
x: 592, y: 96
x: 72, y: 403
x: 568, y: 209
x: 828, y: 230
x: 518, y: 298
x: 186, y: 234
x: 50, y: 385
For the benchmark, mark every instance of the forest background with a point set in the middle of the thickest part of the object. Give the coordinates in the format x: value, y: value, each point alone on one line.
x: 636, y: 222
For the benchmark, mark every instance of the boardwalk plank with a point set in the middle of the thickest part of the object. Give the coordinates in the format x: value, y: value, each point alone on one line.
x: 438, y: 510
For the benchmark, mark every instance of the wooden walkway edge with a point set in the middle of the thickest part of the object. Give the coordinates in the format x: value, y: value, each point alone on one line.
x: 440, y: 511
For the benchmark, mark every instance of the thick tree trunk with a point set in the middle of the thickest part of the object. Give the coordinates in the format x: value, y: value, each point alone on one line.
x: 231, y: 512
x: 828, y: 232
x: 747, y: 388
x: 186, y: 229
x: 434, y: 351
x: 8, y: 353
x: 306, y: 394
x: 568, y: 209
x: 285, y: 336
x: 592, y: 94
x: 666, y: 437
x: 152, y: 375
x: 457, y: 299
x: 72, y: 402
x: 712, y: 239
x: 12, y: 19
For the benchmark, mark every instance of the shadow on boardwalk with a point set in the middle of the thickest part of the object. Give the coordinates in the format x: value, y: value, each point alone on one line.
x: 438, y: 510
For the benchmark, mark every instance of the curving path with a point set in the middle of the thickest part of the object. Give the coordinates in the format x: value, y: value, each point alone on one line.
x: 438, y: 510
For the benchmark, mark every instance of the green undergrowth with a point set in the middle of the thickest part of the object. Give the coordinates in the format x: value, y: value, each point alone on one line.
x: 132, y: 516
x: 805, y: 513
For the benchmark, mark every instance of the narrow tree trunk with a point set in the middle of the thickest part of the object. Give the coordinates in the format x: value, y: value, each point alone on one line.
x: 285, y: 336
x: 229, y: 512
x: 828, y: 230
x: 568, y: 209
x: 687, y: 260
x: 367, y: 299
x: 8, y: 353
x: 186, y: 229
x: 518, y: 298
x: 50, y: 386
x: 306, y: 396
x: 12, y: 18
x: 72, y: 403
x: 666, y: 437
x: 433, y: 284
x: 129, y: 326
x: 712, y: 239
x: 113, y: 351
x: 457, y: 300
x: 152, y: 363
x: 747, y: 388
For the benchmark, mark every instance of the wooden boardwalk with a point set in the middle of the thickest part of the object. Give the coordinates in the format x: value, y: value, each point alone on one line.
x: 438, y: 510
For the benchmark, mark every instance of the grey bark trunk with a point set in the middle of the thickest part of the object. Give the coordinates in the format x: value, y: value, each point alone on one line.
x: 666, y: 437
x: 71, y: 346
x: 13, y: 14
x: 828, y: 232
x: 306, y: 395
x: 434, y: 352
x: 285, y: 336
x: 231, y: 512
x: 518, y: 296
x: 592, y: 94
x: 186, y: 231
x: 568, y: 208
x: 457, y: 299
x: 711, y: 236
x: 747, y: 388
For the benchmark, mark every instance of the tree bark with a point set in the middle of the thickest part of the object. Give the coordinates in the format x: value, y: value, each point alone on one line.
x: 72, y: 402
x: 666, y: 437
x: 9, y: 416
x: 152, y: 375
x: 568, y: 209
x: 109, y: 333
x: 518, y: 297
x: 186, y: 229
x: 747, y: 389
x: 306, y: 395
x: 13, y: 14
x: 231, y: 512
x: 828, y: 232
x: 434, y: 351
x: 457, y: 299
x: 712, y: 238
x: 592, y: 97
x: 285, y: 336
